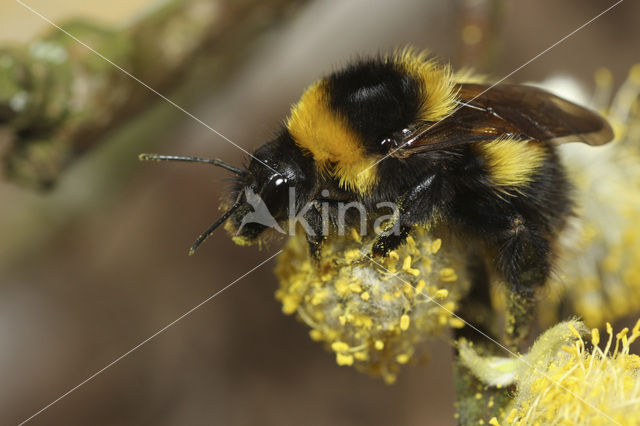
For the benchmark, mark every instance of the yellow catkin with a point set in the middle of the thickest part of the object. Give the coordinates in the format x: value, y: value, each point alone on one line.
x: 372, y: 318
x: 603, y: 378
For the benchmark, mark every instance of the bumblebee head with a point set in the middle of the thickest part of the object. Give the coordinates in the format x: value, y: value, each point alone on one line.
x: 277, y: 182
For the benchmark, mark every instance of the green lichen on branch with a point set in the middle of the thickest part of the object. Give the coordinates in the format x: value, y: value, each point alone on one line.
x: 55, y: 97
x: 59, y: 99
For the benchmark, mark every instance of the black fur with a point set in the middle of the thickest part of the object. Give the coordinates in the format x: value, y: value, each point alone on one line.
x: 377, y: 99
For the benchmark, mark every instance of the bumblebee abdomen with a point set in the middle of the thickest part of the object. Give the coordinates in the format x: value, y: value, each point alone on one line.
x: 512, y: 164
x: 514, y: 177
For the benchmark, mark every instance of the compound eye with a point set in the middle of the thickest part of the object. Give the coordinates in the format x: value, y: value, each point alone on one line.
x: 276, y: 192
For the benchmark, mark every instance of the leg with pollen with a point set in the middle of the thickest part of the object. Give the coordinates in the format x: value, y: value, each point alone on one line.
x: 524, y: 260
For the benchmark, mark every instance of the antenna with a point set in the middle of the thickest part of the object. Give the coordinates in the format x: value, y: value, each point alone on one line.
x: 214, y: 161
x: 201, y: 239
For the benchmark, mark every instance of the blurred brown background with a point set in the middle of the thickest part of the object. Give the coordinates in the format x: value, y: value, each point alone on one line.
x: 94, y: 267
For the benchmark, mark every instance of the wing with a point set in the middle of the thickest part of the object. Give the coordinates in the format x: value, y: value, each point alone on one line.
x: 506, y: 110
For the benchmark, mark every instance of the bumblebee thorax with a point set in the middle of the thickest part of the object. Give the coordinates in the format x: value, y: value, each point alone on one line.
x: 346, y: 119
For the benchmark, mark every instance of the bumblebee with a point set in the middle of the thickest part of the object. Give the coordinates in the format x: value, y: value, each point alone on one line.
x: 478, y: 159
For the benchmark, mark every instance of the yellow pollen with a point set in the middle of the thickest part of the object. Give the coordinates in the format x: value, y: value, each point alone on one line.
x: 404, y: 322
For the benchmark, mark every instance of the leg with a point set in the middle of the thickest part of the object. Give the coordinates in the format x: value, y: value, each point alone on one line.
x: 476, y: 306
x: 416, y: 206
x: 313, y: 218
x: 524, y: 260
x: 320, y: 219
x: 389, y: 240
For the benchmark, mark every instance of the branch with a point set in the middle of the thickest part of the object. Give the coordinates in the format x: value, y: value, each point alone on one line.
x: 58, y: 99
